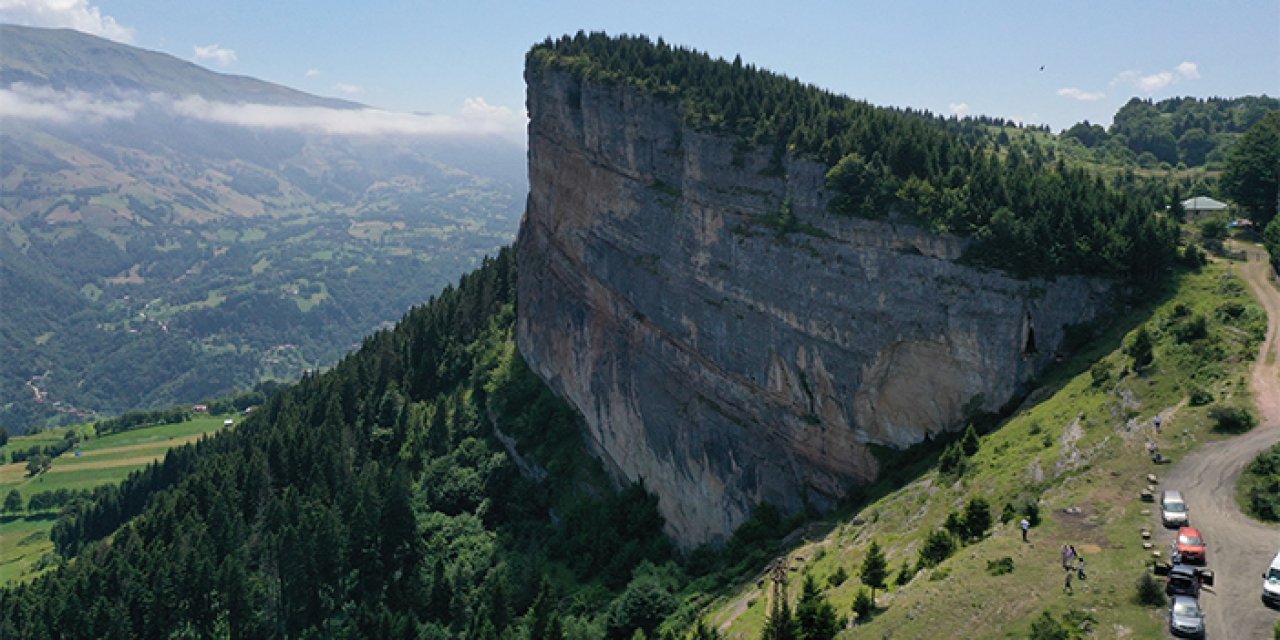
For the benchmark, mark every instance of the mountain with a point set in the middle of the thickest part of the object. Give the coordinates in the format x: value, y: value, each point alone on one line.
x: 754, y: 320
x: 436, y: 483
x: 171, y: 234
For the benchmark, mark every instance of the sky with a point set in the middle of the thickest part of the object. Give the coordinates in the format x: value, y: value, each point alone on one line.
x: 1051, y: 62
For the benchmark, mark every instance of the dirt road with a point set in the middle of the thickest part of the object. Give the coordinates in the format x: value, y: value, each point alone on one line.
x: 1239, y: 547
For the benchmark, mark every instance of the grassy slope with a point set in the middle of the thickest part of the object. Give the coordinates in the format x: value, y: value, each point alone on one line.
x: 1081, y: 448
x: 25, y: 539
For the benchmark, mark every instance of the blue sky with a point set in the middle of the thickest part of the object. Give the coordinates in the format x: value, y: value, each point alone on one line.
x: 968, y: 58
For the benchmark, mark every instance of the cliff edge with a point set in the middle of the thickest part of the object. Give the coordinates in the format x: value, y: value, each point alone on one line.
x: 727, y: 339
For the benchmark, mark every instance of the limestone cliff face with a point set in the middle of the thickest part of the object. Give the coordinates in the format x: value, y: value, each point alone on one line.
x: 725, y: 365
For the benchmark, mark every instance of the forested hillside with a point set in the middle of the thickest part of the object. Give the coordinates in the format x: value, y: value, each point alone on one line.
x: 1029, y: 215
x: 375, y: 500
x: 1195, y: 132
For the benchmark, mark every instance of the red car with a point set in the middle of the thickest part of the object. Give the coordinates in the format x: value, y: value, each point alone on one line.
x: 1190, y: 546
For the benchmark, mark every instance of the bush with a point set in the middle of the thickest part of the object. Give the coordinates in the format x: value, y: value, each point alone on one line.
x: 1008, y: 513
x: 1150, y: 593
x: 1232, y: 419
x: 1198, y: 396
x: 1100, y: 372
x: 1140, y: 347
x: 1046, y: 627
x: 905, y: 574
x: 836, y: 579
x: 952, y: 460
x: 937, y: 547
x: 863, y: 606
x: 977, y: 518
x: 1031, y: 508
x: 1000, y: 567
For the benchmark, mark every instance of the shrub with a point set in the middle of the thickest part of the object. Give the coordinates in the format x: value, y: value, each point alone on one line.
x: 863, y: 606
x: 1008, y: 513
x: 1150, y: 593
x: 970, y: 443
x: 836, y: 579
x: 1232, y: 419
x: 1046, y: 627
x: 977, y: 518
x: 1198, y: 396
x: 1031, y: 509
x: 905, y: 574
x: 1100, y: 373
x: 1000, y: 567
x: 937, y: 547
x: 1140, y: 347
x: 952, y: 461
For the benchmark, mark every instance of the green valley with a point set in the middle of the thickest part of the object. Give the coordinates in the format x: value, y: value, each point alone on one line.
x: 91, y: 463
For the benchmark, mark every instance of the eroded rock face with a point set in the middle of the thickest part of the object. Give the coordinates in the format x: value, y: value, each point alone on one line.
x: 725, y: 364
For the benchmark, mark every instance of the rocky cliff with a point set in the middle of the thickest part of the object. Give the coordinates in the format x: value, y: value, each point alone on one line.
x: 726, y: 362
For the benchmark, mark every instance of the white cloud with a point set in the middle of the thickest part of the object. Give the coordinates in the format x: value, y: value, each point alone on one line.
x: 27, y: 102
x: 1151, y: 83
x: 1155, y: 81
x: 216, y: 53
x: 311, y: 73
x: 1125, y: 77
x: 348, y: 89
x: 475, y: 117
x: 959, y: 108
x: 76, y: 14
x: 1080, y: 94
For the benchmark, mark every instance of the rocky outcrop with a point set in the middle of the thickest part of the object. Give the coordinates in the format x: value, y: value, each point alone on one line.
x: 727, y: 364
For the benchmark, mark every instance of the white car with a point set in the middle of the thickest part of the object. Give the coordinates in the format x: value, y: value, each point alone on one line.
x: 1271, y: 583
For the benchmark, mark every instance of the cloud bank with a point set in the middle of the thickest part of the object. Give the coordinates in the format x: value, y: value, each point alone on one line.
x: 26, y: 102
x: 75, y: 14
x: 475, y: 117
x: 959, y: 108
x: 215, y: 53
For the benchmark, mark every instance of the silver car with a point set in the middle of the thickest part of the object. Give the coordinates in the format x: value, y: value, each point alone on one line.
x: 1186, y: 618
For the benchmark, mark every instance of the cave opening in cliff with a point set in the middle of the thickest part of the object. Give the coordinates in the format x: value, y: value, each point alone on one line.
x: 1029, y: 347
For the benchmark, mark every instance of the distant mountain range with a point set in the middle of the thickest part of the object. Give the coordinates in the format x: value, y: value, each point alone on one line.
x: 168, y: 233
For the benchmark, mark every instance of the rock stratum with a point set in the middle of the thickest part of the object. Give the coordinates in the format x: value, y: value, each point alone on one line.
x: 723, y: 362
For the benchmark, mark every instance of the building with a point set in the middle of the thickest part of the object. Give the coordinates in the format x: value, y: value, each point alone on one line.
x: 1201, y: 206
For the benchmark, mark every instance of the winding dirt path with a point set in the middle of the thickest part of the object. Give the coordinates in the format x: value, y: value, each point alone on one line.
x: 1240, y: 547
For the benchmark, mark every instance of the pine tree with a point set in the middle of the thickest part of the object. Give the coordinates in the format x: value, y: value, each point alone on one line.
x: 977, y: 518
x: 781, y: 626
x: 815, y: 617
x: 969, y: 442
x: 874, y: 569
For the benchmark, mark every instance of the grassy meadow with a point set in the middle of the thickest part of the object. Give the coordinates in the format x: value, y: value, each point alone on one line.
x: 24, y: 537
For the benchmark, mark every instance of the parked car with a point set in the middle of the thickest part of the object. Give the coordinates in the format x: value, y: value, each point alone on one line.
x: 1173, y: 510
x: 1186, y: 580
x: 1186, y: 618
x: 1271, y: 583
x: 1190, y: 546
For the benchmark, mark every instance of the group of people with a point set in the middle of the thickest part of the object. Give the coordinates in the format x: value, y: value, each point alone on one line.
x: 1072, y: 565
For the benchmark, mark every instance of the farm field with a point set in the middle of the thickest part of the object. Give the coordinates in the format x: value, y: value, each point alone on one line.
x: 24, y: 537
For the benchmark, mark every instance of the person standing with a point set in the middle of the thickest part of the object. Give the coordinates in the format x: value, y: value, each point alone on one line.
x: 1025, y: 525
